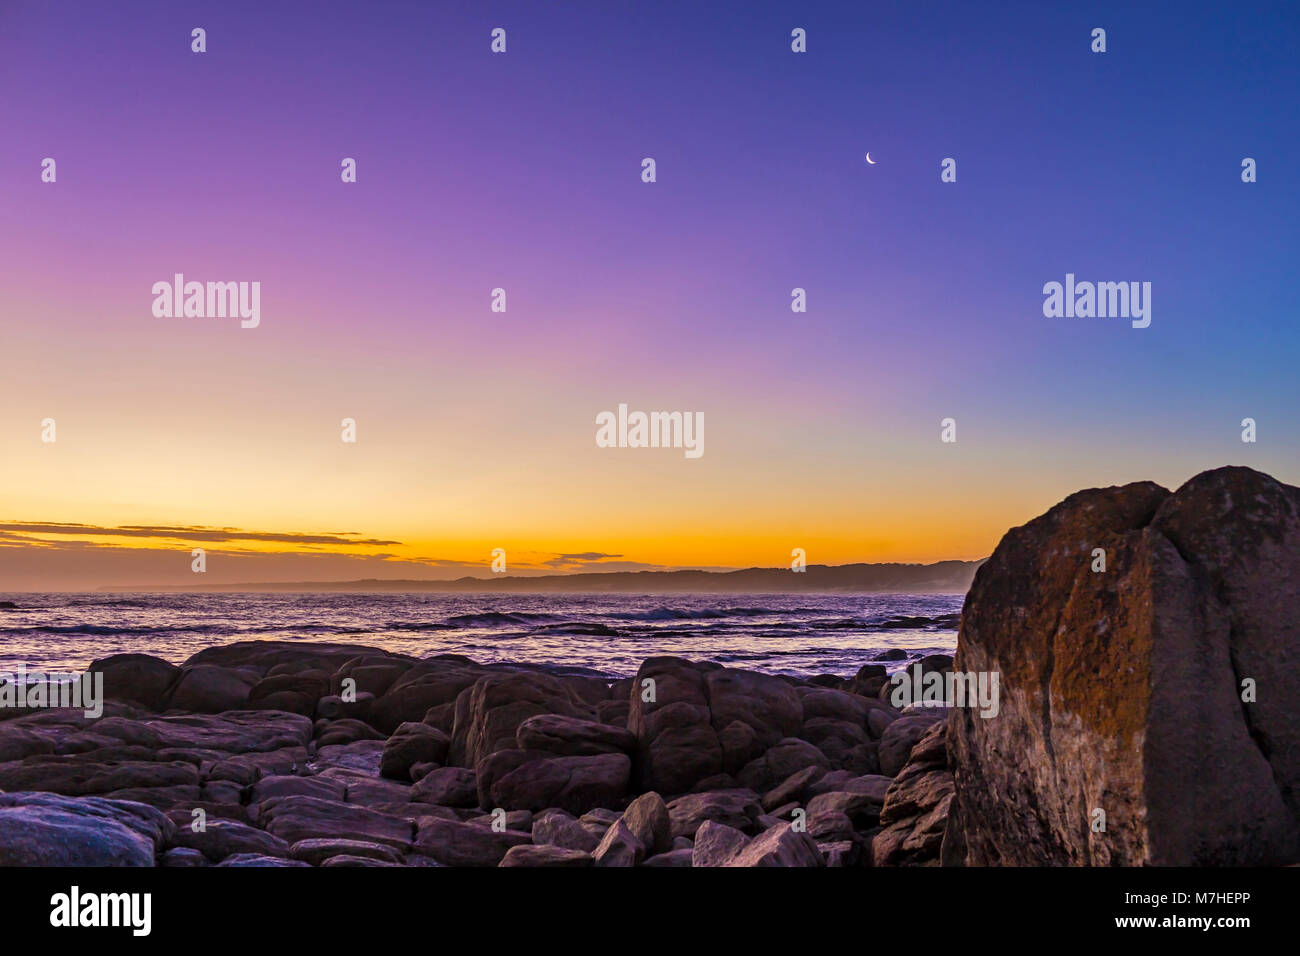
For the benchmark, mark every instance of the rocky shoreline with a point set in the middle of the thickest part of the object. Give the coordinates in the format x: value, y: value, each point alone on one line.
x: 282, y: 754
x: 1119, y: 693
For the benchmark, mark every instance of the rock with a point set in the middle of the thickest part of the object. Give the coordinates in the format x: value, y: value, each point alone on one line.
x: 576, y: 784
x: 240, y: 732
x: 79, y: 775
x: 139, y: 678
x: 489, y: 713
x: 841, y: 852
x: 558, y: 828
x: 45, y: 829
x: 614, y: 712
x: 845, y: 745
x: 295, y: 818
x: 326, y: 788
x: 779, y: 762
x: 647, y: 818
x: 619, y: 847
x: 893, y: 654
x: 208, y: 689
x: 362, y: 755
x: 465, y: 844
x: 369, y: 793
x: 421, y: 770
x: 705, y: 721
x: 246, y: 769
x: 735, y: 808
x: 334, y: 707
x: 673, y: 858
x: 716, y: 844
x: 351, y: 860
x: 780, y: 846
x: 181, y: 856
x: 447, y: 787
x: 549, y: 855
x: 899, y: 738
x: 18, y: 741
x: 221, y: 791
x: 572, y: 736
x: 370, y: 674
x: 520, y: 820
x: 430, y: 683
x: 862, y: 808
x: 410, y: 744
x: 256, y: 859
x: 319, y: 851
x: 793, y: 788
x: 827, y: 704
x: 222, y: 838
x: 164, y: 798
x: 286, y: 656
x: 878, y: 721
x: 1122, y: 690
x: 295, y: 693
x: 830, y: 824
x: 600, y: 818
x: 347, y: 731
x: 917, y: 803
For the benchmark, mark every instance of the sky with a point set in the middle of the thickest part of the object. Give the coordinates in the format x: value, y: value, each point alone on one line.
x: 522, y: 170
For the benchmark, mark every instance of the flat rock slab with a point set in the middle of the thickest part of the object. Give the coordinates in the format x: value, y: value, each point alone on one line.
x: 454, y: 843
x: 318, y: 851
x: 528, y: 855
x: 294, y: 819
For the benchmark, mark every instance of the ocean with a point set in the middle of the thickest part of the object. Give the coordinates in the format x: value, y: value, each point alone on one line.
x: 607, y: 634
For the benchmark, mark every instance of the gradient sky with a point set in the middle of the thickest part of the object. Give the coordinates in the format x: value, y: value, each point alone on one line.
x: 476, y: 430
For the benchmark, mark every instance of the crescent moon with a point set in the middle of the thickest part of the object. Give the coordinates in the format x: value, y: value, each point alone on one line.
x: 870, y: 160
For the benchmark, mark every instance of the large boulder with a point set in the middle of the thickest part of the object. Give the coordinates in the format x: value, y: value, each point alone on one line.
x: 412, y: 743
x: 296, y: 693
x: 1160, y: 691
x: 573, y: 736
x: 703, y: 721
x: 489, y: 713
x: 431, y: 683
x: 575, y: 784
x: 44, y: 829
x: 901, y: 736
x: 778, y: 762
x: 210, y: 689
x: 138, y: 678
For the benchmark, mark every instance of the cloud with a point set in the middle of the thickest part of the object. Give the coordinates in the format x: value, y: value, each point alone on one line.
x: 20, y: 531
x: 568, y: 560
